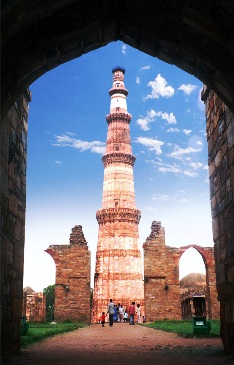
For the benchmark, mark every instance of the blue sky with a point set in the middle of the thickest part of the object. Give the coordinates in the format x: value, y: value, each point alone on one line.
x: 66, y: 139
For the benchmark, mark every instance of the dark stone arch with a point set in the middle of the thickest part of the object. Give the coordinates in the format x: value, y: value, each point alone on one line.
x: 39, y: 36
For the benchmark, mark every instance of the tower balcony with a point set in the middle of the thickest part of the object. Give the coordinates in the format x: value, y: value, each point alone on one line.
x: 118, y: 90
x: 118, y: 214
x: 118, y: 158
x: 114, y: 117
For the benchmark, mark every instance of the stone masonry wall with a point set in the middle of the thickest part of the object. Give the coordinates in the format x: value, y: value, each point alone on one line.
x: 220, y: 136
x: 72, y: 285
x: 13, y: 160
x: 161, y: 270
x: 162, y: 289
x: 34, y: 306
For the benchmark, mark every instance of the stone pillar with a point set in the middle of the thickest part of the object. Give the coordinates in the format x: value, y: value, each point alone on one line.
x: 72, y: 284
x: 13, y: 161
x: 213, y: 305
x: 220, y: 136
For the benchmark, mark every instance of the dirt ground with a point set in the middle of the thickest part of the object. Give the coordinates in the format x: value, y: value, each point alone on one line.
x: 122, y: 345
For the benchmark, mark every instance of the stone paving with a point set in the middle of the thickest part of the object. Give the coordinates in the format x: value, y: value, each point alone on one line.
x: 122, y: 344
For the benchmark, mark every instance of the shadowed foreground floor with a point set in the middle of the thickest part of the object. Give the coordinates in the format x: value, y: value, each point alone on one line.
x: 122, y: 344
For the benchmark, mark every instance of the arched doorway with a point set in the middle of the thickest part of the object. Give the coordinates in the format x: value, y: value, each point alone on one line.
x: 33, y: 44
x: 193, y: 291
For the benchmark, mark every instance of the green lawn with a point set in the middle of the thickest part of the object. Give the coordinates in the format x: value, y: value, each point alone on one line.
x: 184, y: 328
x: 39, y: 331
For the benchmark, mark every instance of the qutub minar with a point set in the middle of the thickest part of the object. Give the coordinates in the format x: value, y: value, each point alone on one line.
x: 118, y: 272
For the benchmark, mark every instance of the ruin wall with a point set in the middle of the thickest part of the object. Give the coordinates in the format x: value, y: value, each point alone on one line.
x: 72, y: 284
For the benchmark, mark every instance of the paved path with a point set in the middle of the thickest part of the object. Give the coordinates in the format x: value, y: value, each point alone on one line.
x: 122, y: 345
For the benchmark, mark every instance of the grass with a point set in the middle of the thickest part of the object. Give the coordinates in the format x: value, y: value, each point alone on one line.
x: 40, y: 331
x: 184, y: 328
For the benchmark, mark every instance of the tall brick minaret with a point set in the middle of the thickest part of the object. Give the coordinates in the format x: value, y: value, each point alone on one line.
x: 118, y: 273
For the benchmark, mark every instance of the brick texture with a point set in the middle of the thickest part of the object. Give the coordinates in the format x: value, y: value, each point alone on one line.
x: 161, y: 277
x: 72, y: 284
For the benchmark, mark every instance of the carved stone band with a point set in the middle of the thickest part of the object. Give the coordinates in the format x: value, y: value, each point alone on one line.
x: 118, y: 157
x: 113, y: 117
x: 118, y: 214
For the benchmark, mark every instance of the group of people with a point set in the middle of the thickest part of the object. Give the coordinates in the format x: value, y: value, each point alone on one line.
x: 118, y: 314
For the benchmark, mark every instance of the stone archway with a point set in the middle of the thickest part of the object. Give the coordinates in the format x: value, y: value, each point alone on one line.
x: 207, y: 254
x: 161, y: 270
x: 195, y: 36
x: 39, y: 36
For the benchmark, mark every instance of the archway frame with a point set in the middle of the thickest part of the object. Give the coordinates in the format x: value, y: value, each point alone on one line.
x: 195, y: 36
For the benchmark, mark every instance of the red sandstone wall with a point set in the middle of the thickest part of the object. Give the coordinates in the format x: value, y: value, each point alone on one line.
x: 72, y: 286
x: 161, y: 270
x: 162, y: 289
x: 34, y: 307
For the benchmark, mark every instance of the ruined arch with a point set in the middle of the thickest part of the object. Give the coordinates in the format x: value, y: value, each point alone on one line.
x: 207, y: 254
x: 39, y: 36
x: 161, y: 270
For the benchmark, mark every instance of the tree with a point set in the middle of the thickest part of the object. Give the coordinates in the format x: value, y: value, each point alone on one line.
x: 49, y: 292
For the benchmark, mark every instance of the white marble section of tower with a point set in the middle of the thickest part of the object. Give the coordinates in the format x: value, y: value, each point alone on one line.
x: 118, y: 272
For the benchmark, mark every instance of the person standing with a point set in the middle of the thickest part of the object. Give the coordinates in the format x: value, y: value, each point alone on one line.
x: 132, y: 311
x: 103, y: 318
x: 110, y: 311
x: 138, y: 311
x: 121, y: 313
x: 125, y: 316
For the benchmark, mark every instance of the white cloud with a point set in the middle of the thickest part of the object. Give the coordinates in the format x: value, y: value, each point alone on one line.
x: 175, y: 169
x: 190, y: 173
x: 164, y: 198
x: 196, y: 165
x: 160, y: 88
x: 151, y: 144
x: 66, y: 141
x: 187, y: 131
x: 170, y: 168
x: 151, y: 115
x: 179, y: 152
x: 187, y: 89
x: 144, y: 68
x: 161, y: 197
x: 170, y: 118
x: 124, y: 47
x: 172, y: 130
x: 183, y: 201
x: 143, y: 123
x: 138, y: 80
x: 58, y: 162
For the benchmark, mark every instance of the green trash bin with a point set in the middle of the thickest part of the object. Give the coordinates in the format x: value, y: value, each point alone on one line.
x: 201, y: 326
x: 24, y: 326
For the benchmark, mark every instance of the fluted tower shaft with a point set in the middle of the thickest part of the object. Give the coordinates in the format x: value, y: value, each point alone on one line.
x: 118, y: 273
